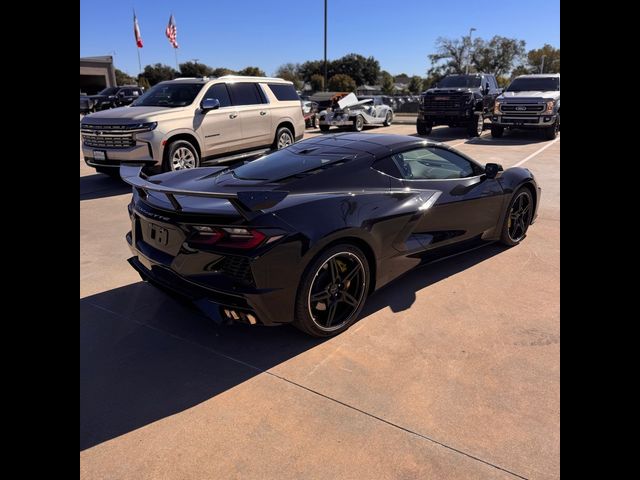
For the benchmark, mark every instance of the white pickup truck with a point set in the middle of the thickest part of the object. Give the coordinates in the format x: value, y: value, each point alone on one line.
x: 529, y: 102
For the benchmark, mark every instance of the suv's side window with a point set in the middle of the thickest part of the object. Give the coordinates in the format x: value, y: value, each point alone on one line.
x: 245, y: 94
x: 219, y: 91
x: 432, y: 163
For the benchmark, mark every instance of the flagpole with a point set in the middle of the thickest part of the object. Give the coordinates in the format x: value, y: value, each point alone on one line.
x: 139, y: 62
x: 176, y: 52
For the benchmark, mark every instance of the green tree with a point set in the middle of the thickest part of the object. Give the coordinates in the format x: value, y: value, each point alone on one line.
x: 386, y: 79
x: 402, y: 78
x: 123, y: 78
x: 497, y: 55
x: 221, y: 72
x: 317, y: 83
x: 195, y: 69
x: 415, y: 84
x: 252, y: 72
x: 289, y: 71
x: 361, y: 69
x: 158, y: 73
x: 342, y: 83
x: 310, y: 68
x: 143, y: 82
x: 551, y: 59
x: 452, y: 53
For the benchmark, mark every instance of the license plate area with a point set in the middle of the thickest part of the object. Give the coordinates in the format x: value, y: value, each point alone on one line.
x: 158, y: 234
x: 99, y: 155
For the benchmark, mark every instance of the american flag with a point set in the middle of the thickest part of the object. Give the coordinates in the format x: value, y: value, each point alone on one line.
x: 136, y: 30
x: 172, y: 31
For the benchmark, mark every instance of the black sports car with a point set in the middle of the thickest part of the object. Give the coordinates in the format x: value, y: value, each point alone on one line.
x: 304, y: 234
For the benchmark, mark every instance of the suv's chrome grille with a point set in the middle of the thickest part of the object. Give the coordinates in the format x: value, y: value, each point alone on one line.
x: 98, y: 139
x: 521, y: 108
x: 108, y: 136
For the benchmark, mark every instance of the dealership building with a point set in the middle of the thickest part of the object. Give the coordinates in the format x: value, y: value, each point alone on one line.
x: 96, y: 73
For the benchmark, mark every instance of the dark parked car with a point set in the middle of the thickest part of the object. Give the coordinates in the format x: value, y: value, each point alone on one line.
x: 304, y: 234
x: 110, y: 97
x: 458, y: 101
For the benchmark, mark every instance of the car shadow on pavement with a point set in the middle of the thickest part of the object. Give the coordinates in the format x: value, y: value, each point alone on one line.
x: 400, y: 294
x: 518, y: 137
x: 145, y: 356
x: 100, y: 185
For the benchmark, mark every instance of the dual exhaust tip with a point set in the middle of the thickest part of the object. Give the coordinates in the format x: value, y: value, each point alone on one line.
x: 239, y: 316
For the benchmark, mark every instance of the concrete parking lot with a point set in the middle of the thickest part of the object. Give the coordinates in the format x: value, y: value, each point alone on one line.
x: 452, y: 372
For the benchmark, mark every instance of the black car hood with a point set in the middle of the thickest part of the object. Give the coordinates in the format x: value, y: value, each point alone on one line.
x: 439, y: 91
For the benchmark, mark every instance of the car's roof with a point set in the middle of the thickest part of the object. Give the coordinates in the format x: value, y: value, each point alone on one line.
x: 539, y: 75
x: 378, y: 144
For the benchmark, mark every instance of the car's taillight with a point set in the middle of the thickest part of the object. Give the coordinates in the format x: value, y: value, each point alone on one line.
x: 231, y: 237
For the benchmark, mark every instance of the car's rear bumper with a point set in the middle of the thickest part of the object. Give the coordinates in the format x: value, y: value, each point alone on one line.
x: 248, y: 305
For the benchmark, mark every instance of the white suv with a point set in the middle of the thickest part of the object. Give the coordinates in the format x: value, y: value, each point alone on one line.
x: 186, y: 122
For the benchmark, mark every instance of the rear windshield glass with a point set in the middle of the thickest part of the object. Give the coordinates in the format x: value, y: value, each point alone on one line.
x: 459, y: 81
x: 534, y: 84
x: 285, y: 163
x: 284, y: 91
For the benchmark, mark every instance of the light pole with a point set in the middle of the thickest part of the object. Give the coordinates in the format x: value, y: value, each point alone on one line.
x: 325, y: 45
x: 542, y: 64
x: 471, y: 30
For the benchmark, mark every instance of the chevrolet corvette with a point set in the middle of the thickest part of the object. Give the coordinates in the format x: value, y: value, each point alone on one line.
x: 304, y: 234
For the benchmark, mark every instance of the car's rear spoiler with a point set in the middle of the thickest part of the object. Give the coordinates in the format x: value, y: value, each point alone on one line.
x: 249, y: 204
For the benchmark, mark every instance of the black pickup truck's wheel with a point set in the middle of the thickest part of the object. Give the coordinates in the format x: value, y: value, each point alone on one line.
x: 496, y: 131
x: 332, y: 291
x: 358, y: 123
x: 424, y: 128
x: 476, y: 125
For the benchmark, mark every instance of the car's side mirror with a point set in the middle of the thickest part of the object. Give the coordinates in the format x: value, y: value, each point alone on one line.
x: 491, y: 169
x: 209, y: 104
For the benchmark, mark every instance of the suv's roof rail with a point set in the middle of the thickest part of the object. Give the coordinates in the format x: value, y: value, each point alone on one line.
x: 262, y: 79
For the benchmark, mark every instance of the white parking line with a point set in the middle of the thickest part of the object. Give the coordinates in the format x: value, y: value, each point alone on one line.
x: 535, y: 153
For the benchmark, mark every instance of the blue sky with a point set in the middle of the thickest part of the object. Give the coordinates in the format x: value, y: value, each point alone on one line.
x: 238, y: 33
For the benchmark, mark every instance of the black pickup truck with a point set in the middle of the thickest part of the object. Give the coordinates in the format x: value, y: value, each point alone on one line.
x: 110, y: 97
x: 458, y: 101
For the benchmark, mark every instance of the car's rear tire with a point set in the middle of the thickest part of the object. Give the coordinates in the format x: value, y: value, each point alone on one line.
x: 424, y: 128
x: 314, y: 122
x: 476, y: 125
x: 358, y: 123
x: 332, y: 291
x: 180, y: 155
x: 283, y: 139
x: 388, y: 119
x: 497, y: 131
x: 518, y: 217
x: 324, y: 128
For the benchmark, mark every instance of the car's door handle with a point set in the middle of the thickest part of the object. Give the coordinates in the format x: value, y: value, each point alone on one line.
x: 233, y: 115
x: 263, y: 112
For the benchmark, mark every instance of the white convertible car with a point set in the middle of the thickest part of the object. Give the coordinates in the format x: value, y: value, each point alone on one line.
x: 354, y: 113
